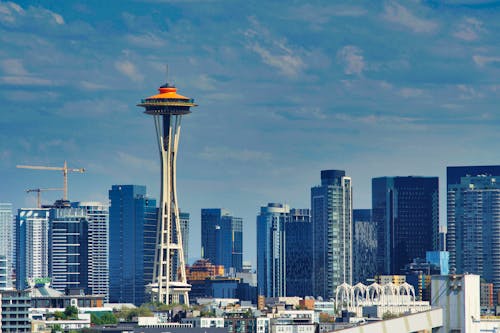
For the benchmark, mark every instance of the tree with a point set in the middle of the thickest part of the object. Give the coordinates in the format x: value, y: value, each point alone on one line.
x: 58, y: 315
x: 71, y: 312
x: 389, y: 315
x: 56, y: 328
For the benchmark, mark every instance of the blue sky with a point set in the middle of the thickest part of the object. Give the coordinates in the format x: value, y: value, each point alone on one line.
x: 285, y: 89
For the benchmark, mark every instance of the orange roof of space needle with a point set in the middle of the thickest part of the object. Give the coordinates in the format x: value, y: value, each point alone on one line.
x: 167, y: 92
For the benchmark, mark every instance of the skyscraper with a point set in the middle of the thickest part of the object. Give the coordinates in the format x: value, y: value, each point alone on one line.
x: 185, y: 234
x: 406, y: 212
x: 474, y: 227
x: 167, y: 108
x: 284, y: 251
x: 32, y: 238
x: 68, y: 248
x: 132, y: 238
x: 222, y: 238
x: 364, y: 246
x: 271, y: 265
x: 98, y: 246
x: 331, y: 213
x: 7, y: 241
x: 298, y: 253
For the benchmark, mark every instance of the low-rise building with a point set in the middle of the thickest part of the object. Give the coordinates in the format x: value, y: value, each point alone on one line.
x: 204, y: 322
x: 14, y: 313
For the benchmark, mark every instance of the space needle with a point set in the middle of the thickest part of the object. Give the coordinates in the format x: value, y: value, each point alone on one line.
x: 169, y: 286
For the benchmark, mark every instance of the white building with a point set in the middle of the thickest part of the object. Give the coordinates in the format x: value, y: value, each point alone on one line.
x: 204, y: 322
x: 32, y: 245
x: 293, y: 321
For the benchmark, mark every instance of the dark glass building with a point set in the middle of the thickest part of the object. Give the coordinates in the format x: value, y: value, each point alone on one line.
x: 68, y: 247
x: 406, y: 213
x: 132, y: 237
x: 298, y: 249
x: 222, y: 238
x: 364, y: 246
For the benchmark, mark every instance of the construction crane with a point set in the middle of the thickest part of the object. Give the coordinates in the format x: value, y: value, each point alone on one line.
x: 64, y: 169
x: 39, y: 191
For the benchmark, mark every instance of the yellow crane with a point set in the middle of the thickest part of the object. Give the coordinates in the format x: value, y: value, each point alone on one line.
x: 64, y: 169
x: 39, y: 195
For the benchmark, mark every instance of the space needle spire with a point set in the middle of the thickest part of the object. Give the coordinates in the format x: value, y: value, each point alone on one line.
x: 169, y: 286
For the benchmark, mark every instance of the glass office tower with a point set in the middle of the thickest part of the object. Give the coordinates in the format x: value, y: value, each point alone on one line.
x: 299, y: 253
x: 222, y: 238
x: 364, y: 246
x: 271, y: 265
x: 132, y: 237
x: 406, y: 212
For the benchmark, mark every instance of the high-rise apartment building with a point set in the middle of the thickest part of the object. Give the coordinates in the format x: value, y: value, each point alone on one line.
x: 474, y: 227
x: 68, y: 247
x: 271, y: 265
x: 298, y: 253
x: 32, y: 245
x: 97, y: 217
x: 222, y: 238
x: 331, y: 214
x: 364, y: 246
x: 133, y: 220
x: 7, y: 240
x: 406, y: 212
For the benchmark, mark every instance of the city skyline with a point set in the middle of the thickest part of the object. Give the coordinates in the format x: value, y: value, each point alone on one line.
x: 420, y: 97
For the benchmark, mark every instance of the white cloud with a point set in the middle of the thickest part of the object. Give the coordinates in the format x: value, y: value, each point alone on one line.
x: 287, y: 63
x: 12, y: 14
x: 468, y: 92
x: 87, y: 85
x: 25, y: 81
x: 9, y: 11
x: 128, y: 69
x: 58, y: 18
x: 147, y: 40
x: 410, y: 92
x: 395, y: 13
x: 375, y: 120
x: 469, y: 29
x: 225, y: 153
x: 137, y: 162
x: 484, y: 60
x: 273, y: 51
x: 352, y: 58
x: 13, y: 67
x: 323, y: 14
x: 204, y: 82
